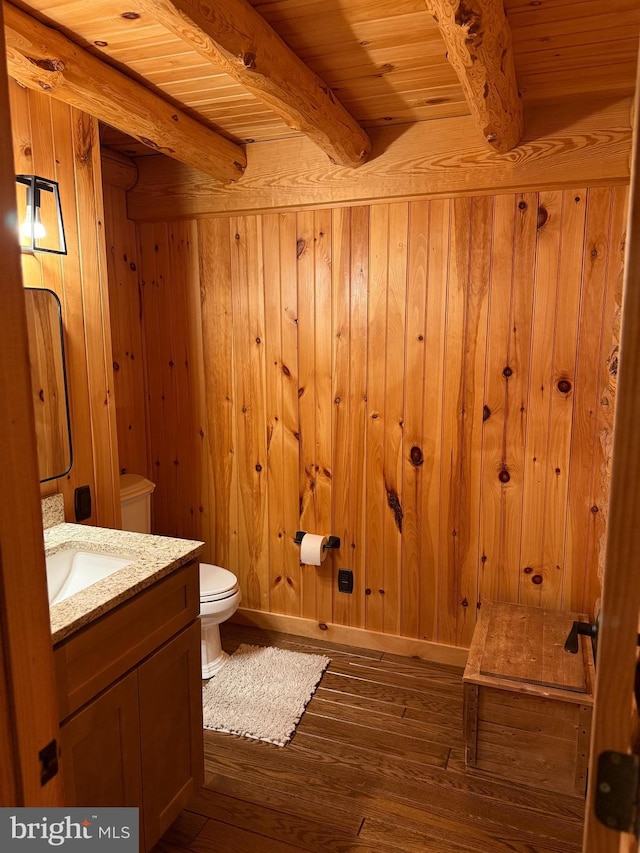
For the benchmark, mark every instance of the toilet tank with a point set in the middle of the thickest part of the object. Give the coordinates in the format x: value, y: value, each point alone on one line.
x: 135, y: 499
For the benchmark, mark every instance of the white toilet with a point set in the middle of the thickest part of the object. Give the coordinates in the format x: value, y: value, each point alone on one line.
x: 219, y: 591
x: 219, y: 599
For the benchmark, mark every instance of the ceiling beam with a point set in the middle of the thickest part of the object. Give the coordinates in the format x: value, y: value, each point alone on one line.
x: 237, y: 40
x: 43, y: 59
x: 478, y: 39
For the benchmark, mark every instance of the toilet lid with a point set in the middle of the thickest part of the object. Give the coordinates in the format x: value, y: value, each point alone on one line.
x: 215, y: 581
x: 210, y: 599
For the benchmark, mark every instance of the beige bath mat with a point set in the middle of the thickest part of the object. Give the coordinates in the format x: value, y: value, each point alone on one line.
x: 261, y: 693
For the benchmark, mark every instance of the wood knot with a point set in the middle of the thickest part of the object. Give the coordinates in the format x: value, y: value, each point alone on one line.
x: 323, y: 626
x: 528, y: 570
x: 504, y: 476
x: 536, y: 579
x: 286, y: 370
x: 507, y: 372
x: 395, y: 506
x: 116, y: 366
x: 470, y: 21
x: 249, y: 60
x: 101, y: 43
x: 258, y: 467
x: 47, y: 64
x: 367, y: 591
x: 522, y: 205
x: 300, y: 247
x: 486, y: 413
x: 130, y: 16
x: 564, y: 386
x: 543, y: 216
x: 415, y: 455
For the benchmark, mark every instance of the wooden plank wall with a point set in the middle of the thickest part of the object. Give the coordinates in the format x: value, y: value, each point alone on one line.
x: 421, y: 378
x: 126, y: 332
x: 56, y: 141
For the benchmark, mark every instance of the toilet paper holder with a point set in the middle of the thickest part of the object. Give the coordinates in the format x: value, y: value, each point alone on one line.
x: 332, y: 541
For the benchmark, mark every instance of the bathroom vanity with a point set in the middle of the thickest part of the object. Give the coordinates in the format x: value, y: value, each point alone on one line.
x: 127, y: 660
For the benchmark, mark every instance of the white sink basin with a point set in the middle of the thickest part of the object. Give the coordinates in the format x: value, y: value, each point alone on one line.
x: 73, y: 569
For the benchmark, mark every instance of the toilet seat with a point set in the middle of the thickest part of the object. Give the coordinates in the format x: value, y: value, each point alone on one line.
x: 204, y: 599
x: 216, y: 583
x: 220, y: 597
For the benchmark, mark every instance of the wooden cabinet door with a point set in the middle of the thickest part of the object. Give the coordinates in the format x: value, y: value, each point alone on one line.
x: 101, y: 749
x: 170, y: 696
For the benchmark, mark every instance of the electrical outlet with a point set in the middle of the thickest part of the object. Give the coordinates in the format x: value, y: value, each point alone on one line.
x: 82, y: 503
x: 345, y: 580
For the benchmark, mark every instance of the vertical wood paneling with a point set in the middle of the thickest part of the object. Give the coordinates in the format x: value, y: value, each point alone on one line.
x: 449, y: 599
x: 496, y: 488
x: 249, y: 332
x: 582, y: 506
x: 279, y: 589
x: 55, y: 141
x: 343, y: 443
x: 393, y: 375
x: 350, y: 285
x: 376, y: 494
x: 394, y: 416
x: 291, y: 425
x: 517, y: 389
x: 307, y: 398
x: 608, y: 384
x: 325, y: 576
x: 162, y: 400
x: 126, y: 333
x: 413, y: 455
x: 188, y: 489
x: 282, y: 406
x: 219, y: 388
x: 536, y: 466
x: 472, y: 411
x: 201, y: 517
x: 565, y: 344
x: 432, y: 511
x: 97, y: 330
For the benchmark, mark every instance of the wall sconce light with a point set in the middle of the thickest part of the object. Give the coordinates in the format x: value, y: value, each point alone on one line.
x: 41, y: 228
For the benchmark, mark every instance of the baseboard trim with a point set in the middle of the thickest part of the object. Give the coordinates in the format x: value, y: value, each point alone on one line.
x: 359, y: 637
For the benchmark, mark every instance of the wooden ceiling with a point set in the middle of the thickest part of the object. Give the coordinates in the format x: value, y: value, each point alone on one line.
x: 384, y: 59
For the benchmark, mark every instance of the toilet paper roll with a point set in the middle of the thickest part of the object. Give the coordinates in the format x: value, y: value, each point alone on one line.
x: 312, y: 550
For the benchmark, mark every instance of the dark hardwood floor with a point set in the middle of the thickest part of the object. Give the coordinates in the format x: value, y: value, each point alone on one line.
x: 376, y: 765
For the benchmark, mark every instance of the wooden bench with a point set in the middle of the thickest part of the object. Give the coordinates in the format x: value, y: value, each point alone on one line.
x: 527, y: 702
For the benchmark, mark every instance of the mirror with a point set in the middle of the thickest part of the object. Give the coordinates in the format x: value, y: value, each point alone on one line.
x: 49, y: 382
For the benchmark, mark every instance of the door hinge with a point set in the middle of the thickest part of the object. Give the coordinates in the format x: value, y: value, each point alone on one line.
x: 618, y: 791
x: 48, y: 757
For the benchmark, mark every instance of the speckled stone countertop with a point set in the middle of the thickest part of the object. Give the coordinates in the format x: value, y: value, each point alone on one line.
x: 152, y: 558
